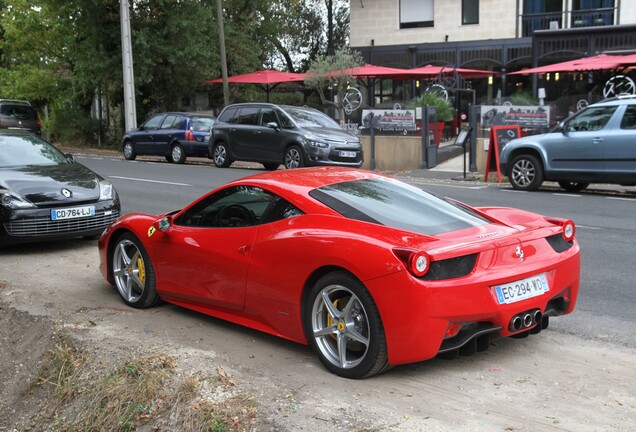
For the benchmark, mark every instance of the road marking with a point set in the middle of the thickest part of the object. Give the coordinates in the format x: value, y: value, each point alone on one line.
x: 567, y: 195
x: 150, y: 181
x: 622, y: 199
x: 587, y: 227
x: 513, y: 191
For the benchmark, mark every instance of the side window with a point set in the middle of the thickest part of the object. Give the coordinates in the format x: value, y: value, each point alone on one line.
x: 228, y: 115
x: 171, y: 122
x: 247, y: 116
x: 154, y: 122
x: 285, y: 122
x: 629, y: 119
x: 279, y: 210
x: 233, y: 207
x: 268, y: 115
x: 592, y: 119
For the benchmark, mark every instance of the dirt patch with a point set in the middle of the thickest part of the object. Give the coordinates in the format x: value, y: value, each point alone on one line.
x: 246, y: 380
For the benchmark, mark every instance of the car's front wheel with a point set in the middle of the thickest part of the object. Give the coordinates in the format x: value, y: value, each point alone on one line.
x: 294, y: 158
x: 526, y: 173
x: 177, y: 154
x: 221, y: 156
x: 573, y: 186
x: 129, y: 151
x: 133, y: 273
x: 343, y: 326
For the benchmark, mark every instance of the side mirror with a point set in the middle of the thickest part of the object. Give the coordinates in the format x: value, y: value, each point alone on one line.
x: 273, y: 125
x: 163, y: 224
x: 70, y: 157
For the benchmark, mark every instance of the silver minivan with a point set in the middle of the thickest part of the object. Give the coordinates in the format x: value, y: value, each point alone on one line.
x: 280, y: 134
x: 595, y: 145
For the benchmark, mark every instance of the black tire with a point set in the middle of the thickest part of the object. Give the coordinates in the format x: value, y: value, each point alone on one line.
x: 129, y: 150
x: 573, y: 186
x: 221, y: 155
x: 271, y: 166
x: 132, y: 272
x: 177, y: 154
x: 349, y: 320
x: 526, y: 173
x: 294, y: 158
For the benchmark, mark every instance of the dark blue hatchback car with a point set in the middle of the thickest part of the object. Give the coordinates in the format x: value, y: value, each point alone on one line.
x: 175, y: 135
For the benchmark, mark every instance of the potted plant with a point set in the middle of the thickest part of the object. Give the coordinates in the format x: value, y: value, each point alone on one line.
x: 443, y: 110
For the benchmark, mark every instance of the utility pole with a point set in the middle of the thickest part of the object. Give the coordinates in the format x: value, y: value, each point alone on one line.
x: 226, y: 87
x: 130, y: 109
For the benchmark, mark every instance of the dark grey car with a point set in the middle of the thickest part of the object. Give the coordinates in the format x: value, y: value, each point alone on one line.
x: 274, y: 134
x: 19, y: 114
x: 596, y: 145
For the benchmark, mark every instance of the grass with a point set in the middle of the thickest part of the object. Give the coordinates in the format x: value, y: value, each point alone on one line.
x: 144, y: 390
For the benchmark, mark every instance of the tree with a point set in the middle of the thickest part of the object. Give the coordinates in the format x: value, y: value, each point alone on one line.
x: 335, y: 73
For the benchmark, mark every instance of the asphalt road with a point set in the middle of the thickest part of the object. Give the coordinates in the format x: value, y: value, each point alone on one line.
x: 606, y: 227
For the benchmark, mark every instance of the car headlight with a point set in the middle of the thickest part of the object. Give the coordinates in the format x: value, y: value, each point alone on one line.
x: 106, y: 190
x: 14, y: 201
x: 312, y: 140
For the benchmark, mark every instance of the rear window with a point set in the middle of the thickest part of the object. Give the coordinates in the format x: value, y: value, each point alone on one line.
x: 18, y: 112
x: 227, y: 115
x: 398, y: 205
x: 202, y: 123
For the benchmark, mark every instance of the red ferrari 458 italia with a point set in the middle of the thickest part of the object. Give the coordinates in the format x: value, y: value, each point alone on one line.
x: 370, y: 271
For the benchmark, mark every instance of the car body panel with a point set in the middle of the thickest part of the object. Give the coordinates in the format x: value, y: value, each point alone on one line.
x: 49, y: 187
x: 259, y: 276
x: 261, y: 132
x: 586, y: 148
x: 160, y: 132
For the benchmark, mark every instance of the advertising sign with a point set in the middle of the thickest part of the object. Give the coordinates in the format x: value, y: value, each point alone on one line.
x: 389, y: 119
x: 526, y: 117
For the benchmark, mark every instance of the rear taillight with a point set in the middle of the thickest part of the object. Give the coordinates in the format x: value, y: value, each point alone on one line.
x: 417, y: 262
x: 568, y: 230
x: 190, y: 136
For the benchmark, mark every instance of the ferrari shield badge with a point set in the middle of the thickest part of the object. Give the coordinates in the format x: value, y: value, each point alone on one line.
x: 151, y: 231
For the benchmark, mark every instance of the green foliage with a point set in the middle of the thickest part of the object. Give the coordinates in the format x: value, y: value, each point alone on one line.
x: 334, y: 72
x: 63, y: 54
x: 523, y: 98
x: 443, y: 108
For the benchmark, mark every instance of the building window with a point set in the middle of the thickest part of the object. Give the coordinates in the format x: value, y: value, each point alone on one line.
x: 541, y: 15
x: 587, y: 13
x: 416, y: 13
x: 470, y: 11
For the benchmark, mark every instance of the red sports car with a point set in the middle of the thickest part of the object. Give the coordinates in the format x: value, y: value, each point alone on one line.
x: 370, y: 271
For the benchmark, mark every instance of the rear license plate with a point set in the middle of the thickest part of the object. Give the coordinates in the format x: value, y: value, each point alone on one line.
x: 349, y: 154
x: 522, y: 289
x: 72, y: 213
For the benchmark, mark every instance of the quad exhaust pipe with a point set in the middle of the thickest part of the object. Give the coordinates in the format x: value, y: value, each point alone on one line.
x: 525, y: 320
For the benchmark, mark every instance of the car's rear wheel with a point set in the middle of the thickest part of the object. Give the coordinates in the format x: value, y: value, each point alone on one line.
x: 221, y: 156
x: 294, y: 158
x: 526, y: 173
x: 177, y: 154
x: 271, y: 166
x: 129, y: 151
x: 133, y: 273
x: 343, y: 325
x: 573, y: 186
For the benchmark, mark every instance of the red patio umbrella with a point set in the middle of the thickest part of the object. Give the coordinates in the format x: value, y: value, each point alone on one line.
x: 434, y: 71
x: 266, y: 79
x: 598, y: 62
x: 372, y: 71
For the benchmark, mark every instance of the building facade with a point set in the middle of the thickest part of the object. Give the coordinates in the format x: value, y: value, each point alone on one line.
x: 497, y: 35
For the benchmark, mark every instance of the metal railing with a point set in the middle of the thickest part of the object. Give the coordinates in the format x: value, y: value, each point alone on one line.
x: 567, y: 19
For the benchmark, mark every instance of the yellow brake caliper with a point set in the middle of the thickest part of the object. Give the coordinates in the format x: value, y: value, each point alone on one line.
x: 336, y: 303
x: 142, y: 269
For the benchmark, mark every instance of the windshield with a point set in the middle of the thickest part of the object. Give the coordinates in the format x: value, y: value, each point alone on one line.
x: 398, y: 205
x: 28, y: 150
x: 311, y: 118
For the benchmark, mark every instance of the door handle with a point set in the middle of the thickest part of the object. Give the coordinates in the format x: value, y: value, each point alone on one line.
x: 257, y: 132
x: 242, y: 249
x: 597, y: 140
